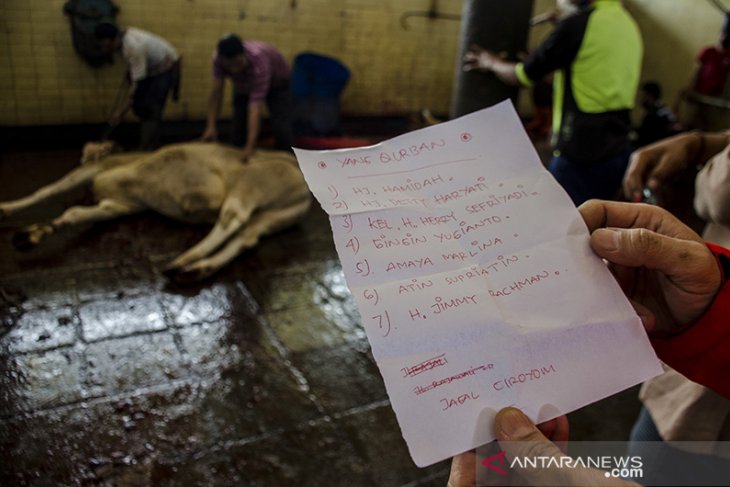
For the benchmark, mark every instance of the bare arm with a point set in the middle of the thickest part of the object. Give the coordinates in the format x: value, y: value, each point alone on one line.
x: 254, y: 125
x: 214, y: 109
x: 122, y: 109
x: 479, y: 59
x: 506, y: 72
x: 656, y: 164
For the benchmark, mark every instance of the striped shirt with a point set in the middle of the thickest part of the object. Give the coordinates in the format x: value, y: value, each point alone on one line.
x: 266, y: 69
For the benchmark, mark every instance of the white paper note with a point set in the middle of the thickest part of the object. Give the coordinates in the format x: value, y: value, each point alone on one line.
x: 475, y: 282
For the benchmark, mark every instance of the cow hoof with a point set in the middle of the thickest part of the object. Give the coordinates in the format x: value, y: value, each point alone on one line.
x: 181, y: 275
x: 187, y: 276
x: 170, y: 272
x: 23, y: 242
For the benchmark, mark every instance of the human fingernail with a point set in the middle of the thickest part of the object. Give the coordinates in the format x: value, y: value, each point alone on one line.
x: 607, y: 239
x: 514, y: 425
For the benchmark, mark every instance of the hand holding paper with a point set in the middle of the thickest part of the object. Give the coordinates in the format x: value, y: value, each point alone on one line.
x: 670, y: 289
x: 475, y: 281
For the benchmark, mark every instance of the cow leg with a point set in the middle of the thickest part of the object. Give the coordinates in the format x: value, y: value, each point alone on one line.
x: 106, y: 209
x: 264, y: 223
x: 72, y: 180
x: 233, y: 216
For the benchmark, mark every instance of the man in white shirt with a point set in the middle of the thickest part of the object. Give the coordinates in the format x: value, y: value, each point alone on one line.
x: 153, y: 70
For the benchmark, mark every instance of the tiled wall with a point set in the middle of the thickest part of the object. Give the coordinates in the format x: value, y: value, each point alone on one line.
x: 43, y: 81
x: 395, y: 70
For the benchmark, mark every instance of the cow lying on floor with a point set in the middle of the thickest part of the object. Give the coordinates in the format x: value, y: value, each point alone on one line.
x: 190, y: 182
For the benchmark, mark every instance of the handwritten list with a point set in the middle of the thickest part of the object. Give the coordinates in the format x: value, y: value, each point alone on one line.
x: 475, y: 282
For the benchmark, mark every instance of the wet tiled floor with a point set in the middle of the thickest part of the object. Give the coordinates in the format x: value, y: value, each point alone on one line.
x: 260, y: 375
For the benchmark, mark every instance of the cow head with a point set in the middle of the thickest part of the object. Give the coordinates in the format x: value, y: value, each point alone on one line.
x: 94, y: 151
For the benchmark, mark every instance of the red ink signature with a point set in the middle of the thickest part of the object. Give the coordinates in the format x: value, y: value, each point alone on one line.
x: 426, y: 365
x: 418, y: 390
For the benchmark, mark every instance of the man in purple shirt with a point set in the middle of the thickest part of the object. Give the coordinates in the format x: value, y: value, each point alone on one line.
x: 259, y: 74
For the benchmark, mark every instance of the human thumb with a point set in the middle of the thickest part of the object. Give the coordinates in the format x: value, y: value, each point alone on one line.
x: 640, y: 247
x: 519, y: 438
x: 690, y: 269
x: 529, y: 453
x: 511, y: 424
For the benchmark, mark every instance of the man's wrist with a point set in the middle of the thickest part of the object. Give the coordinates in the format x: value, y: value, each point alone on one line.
x: 487, y: 62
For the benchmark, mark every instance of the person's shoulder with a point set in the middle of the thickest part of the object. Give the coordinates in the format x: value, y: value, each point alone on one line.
x: 136, y: 33
x: 259, y: 47
x: 136, y: 36
x: 132, y: 40
x: 707, y: 51
x: 254, y: 45
x: 575, y: 22
x: 264, y: 53
x: 253, y: 49
x: 575, y: 18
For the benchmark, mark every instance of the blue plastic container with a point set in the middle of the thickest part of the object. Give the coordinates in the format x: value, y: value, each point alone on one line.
x: 317, y: 83
x: 319, y: 76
